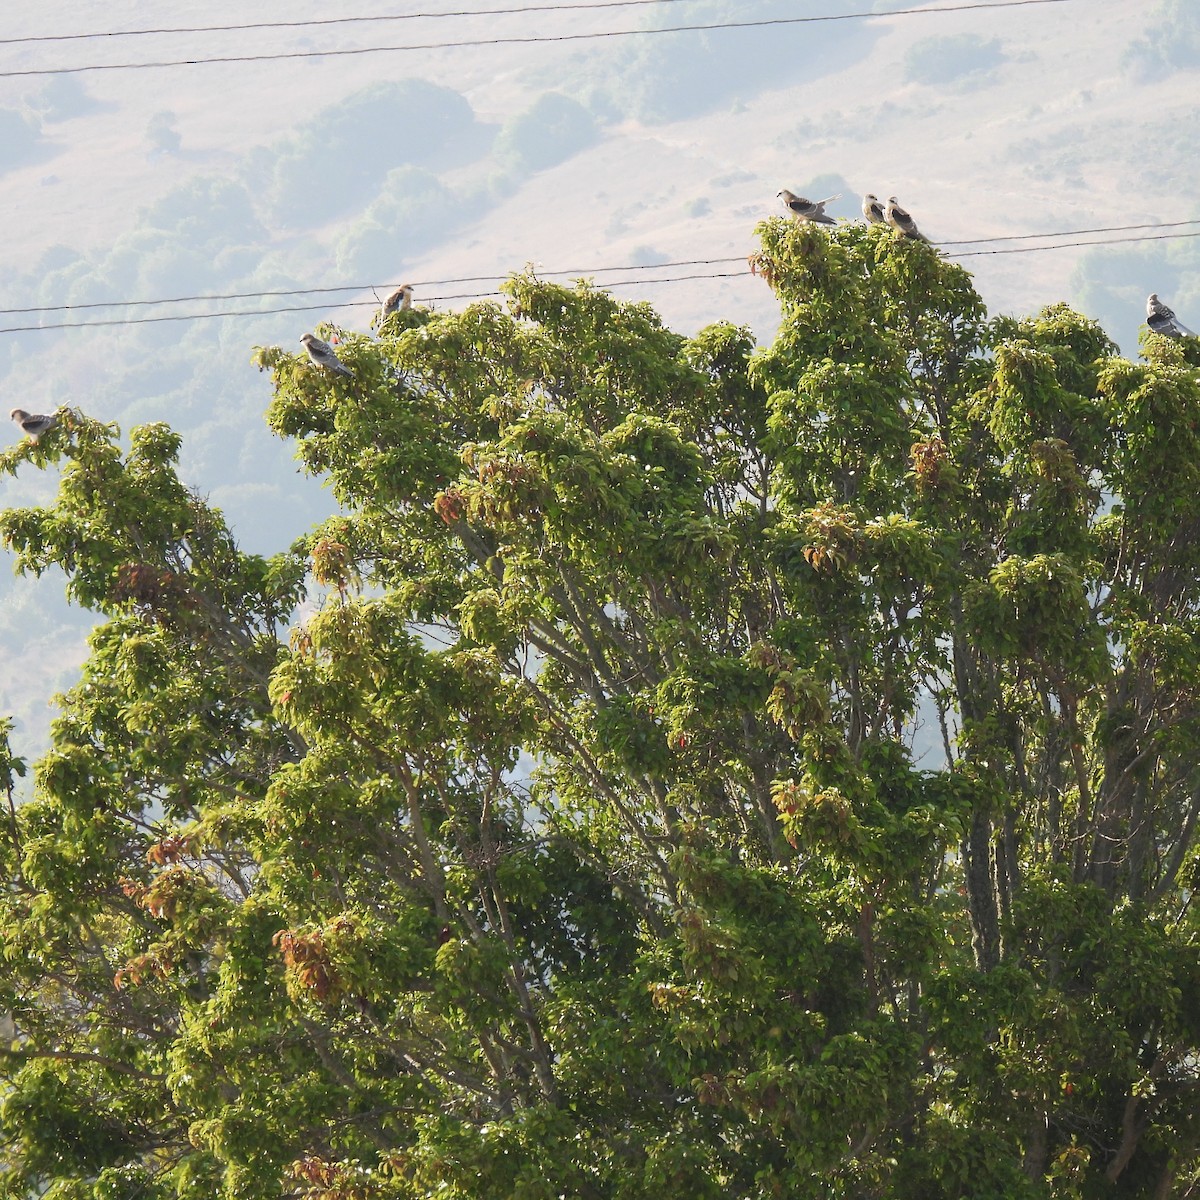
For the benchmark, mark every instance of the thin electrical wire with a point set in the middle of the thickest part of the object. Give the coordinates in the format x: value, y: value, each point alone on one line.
x: 363, y: 287
x: 319, y: 21
x: 239, y: 312
x: 266, y: 312
x: 572, y: 271
x: 526, y: 40
x: 1024, y: 237
x: 1159, y: 237
x: 479, y: 295
x: 607, y: 283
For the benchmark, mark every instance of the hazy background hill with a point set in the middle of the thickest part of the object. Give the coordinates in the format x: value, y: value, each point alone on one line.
x: 440, y: 164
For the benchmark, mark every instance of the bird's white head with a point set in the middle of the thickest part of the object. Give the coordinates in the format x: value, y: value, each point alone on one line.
x: 18, y: 414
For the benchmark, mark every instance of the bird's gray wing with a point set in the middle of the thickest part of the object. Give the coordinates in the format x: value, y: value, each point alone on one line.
x: 35, y: 424
x: 1163, y: 321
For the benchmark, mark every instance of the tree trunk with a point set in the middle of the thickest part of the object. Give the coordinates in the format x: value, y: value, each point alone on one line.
x: 981, y: 892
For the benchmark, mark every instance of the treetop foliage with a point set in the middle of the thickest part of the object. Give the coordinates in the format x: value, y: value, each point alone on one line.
x: 681, y: 767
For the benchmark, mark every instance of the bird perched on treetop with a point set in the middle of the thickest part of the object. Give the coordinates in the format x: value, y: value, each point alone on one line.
x: 900, y: 220
x: 808, y: 210
x: 322, y: 354
x: 34, y: 424
x: 1162, y: 319
x: 873, y: 210
x: 399, y: 300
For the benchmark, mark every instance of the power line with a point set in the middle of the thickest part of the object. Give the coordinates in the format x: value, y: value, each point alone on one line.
x: 366, y: 287
x: 580, y: 271
x: 266, y: 312
x: 1023, y: 237
x: 240, y: 312
x: 606, y: 283
x: 415, y: 16
x: 527, y: 40
x: 1158, y: 237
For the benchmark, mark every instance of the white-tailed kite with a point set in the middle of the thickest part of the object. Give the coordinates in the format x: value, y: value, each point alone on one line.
x: 808, y: 210
x: 34, y: 424
x: 399, y: 300
x: 322, y: 354
x: 1162, y: 319
x: 900, y: 220
x: 873, y: 210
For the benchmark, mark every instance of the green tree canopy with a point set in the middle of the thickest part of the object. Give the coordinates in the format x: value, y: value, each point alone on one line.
x: 569, y: 840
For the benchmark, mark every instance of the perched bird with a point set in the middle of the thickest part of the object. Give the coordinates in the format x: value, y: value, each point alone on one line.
x: 900, y: 220
x: 873, y: 210
x: 808, y: 210
x: 322, y: 354
x: 1162, y: 319
x: 34, y: 424
x: 399, y: 300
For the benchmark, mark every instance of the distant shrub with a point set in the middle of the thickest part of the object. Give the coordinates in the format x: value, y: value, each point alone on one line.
x: 61, y: 98
x: 19, y: 138
x: 200, y: 235
x: 945, y: 59
x: 162, y: 134
x: 1171, y: 40
x: 679, y: 75
x: 553, y: 129
x: 207, y: 212
x: 413, y: 211
x: 339, y: 158
x: 647, y: 256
